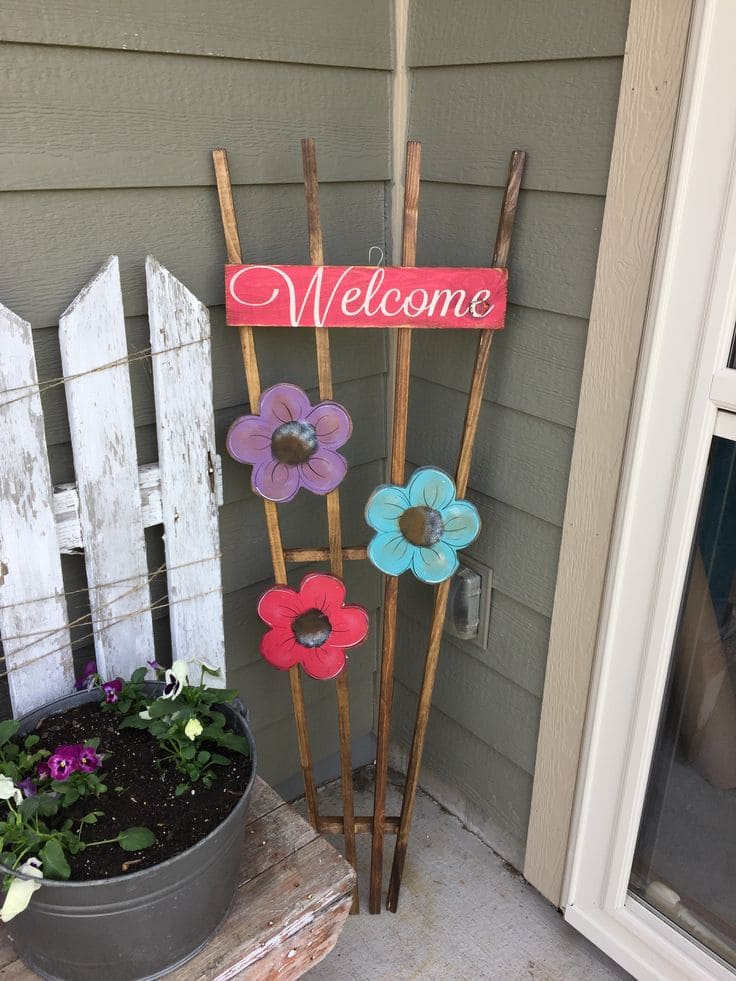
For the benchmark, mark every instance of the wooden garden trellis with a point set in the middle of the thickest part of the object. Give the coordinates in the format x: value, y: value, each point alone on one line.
x: 379, y: 823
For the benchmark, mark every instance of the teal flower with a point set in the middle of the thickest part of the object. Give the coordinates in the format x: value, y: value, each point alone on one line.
x: 420, y: 527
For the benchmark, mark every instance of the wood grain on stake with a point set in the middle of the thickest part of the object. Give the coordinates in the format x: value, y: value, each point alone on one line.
x: 391, y: 593
x: 334, y: 533
x: 253, y: 380
x: 475, y: 396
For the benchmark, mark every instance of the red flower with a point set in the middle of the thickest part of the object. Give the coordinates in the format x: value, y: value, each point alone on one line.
x: 311, y: 627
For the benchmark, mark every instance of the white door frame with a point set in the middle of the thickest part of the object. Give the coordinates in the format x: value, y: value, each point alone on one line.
x: 688, y: 334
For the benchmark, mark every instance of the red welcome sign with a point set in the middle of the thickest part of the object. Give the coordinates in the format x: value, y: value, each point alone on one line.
x: 364, y: 296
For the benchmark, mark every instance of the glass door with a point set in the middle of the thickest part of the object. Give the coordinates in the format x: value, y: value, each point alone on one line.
x: 651, y: 876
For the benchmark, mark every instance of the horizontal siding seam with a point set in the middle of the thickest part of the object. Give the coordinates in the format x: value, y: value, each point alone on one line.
x: 472, y: 735
x: 254, y: 60
x: 471, y: 650
x: 492, y: 401
x: 524, y: 191
x: 431, y: 66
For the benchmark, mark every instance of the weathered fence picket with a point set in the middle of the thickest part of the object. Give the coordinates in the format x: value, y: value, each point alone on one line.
x: 112, y: 500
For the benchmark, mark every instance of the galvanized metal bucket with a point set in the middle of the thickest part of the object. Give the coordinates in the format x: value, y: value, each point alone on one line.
x: 141, y: 925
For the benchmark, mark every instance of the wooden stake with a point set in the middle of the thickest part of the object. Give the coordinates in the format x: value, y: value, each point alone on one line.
x: 323, y: 554
x: 334, y: 532
x: 391, y: 589
x: 475, y: 397
x: 253, y: 380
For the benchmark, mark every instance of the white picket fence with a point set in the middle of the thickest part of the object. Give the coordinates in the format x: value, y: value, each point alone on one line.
x: 113, y: 499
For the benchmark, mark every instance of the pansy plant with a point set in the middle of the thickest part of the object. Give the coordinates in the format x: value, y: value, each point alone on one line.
x: 311, y: 626
x: 291, y: 444
x: 420, y: 526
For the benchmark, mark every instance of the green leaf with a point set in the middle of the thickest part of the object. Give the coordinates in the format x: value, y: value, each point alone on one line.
x: 181, y: 789
x: 203, y: 757
x: 239, y: 744
x: 133, y: 722
x: 47, y: 805
x: 12, y: 752
x: 55, y: 865
x: 8, y: 729
x: 219, y: 759
x: 134, y: 839
x: 138, y: 676
x: 31, y: 741
x: 188, y: 752
x: 161, y: 707
x: 29, y: 807
x: 94, y: 742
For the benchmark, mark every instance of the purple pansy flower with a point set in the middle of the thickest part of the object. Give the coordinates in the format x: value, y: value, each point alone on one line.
x: 112, y: 689
x: 87, y: 677
x: 63, y: 762
x: 88, y: 760
x: 291, y: 444
x: 43, y: 771
x: 28, y: 787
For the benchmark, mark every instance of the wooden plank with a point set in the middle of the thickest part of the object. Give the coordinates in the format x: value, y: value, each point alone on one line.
x: 485, y: 32
x: 61, y: 233
x: 555, y: 241
x: 260, y: 295
x: 128, y: 105
x: 178, y: 27
x: 536, y: 367
x: 506, y: 220
x: 402, y: 372
x: 66, y: 504
x: 335, y: 823
x: 182, y: 379
x: 31, y: 584
x: 520, y: 460
x: 649, y: 96
x: 92, y: 336
x: 323, y: 554
x: 332, y: 505
x: 253, y: 381
x: 485, y: 703
x: 562, y: 112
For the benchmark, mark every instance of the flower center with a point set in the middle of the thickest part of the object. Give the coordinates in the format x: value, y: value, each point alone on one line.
x: 421, y: 526
x: 294, y: 442
x: 311, y: 628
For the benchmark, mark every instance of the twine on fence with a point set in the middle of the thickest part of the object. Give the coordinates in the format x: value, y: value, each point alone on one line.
x: 40, y: 388
x: 163, y: 603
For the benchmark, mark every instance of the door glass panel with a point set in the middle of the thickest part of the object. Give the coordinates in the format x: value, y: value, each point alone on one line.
x: 685, y: 861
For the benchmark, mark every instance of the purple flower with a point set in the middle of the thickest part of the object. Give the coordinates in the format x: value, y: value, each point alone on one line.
x: 43, y: 771
x: 63, y: 761
x: 87, y: 677
x: 155, y: 666
x: 112, y: 689
x: 291, y: 444
x: 88, y: 760
x: 28, y: 787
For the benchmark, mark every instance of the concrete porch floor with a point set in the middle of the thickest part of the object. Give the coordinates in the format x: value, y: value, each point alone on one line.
x: 464, y: 913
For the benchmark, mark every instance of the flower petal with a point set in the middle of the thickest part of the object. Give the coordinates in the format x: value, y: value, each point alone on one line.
x: 319, y: 591
x: 279, y: 605
x: 249, y: 440
x: 275, y: 481
x: 431, y: 487
x: 462, y: 524
x: 349, y: 626
x: 434, y: 564
x: 331, y: 423
x: 323, y: 662
x: 20, y: 890
x: 280, y: 648
x: 385, y: 506
x: 390, y: 552
x: 283, y: 403
x: 323, y: 471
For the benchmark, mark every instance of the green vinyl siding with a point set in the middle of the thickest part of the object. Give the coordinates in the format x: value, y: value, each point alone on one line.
x: 108, y: 121
x: 487, y: 78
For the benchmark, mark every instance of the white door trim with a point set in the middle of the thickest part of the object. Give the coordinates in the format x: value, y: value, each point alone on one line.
x: 688, y: 334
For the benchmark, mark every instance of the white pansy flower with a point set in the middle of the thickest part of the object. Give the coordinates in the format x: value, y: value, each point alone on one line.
x: 9, y: 791
x: 176, y: 678
x: 20, y: 890
x: 192, y: 729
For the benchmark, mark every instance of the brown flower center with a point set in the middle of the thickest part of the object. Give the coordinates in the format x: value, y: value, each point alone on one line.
x: 294, y: 442
x: 421, y: 526
x: 311, y: 628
